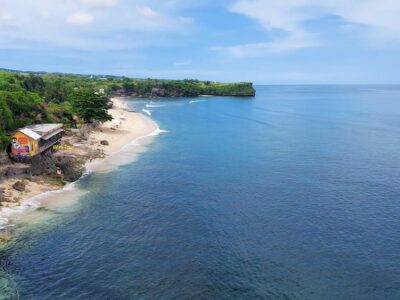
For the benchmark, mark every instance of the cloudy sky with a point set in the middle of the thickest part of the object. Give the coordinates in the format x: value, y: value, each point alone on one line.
x: 264, y: 41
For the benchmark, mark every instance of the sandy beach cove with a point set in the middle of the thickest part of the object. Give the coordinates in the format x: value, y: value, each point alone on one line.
x: 115, y: 143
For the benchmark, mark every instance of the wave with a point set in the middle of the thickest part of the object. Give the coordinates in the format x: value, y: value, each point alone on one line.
x: 156, y: 132
x: 195, y: 101
x: 154, y: 105
x: 148, y: 112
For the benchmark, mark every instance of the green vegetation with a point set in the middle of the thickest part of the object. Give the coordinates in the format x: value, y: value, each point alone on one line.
x: 179, y: 88
x: 27, y: 98
x: 89, y: 106
x: 4, y: 141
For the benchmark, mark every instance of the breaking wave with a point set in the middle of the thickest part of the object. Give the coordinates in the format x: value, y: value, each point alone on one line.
x: 147, y: 111
x: 154, y: 105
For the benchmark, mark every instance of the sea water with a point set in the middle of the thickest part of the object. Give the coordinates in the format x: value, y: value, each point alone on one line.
x: 293, y: 194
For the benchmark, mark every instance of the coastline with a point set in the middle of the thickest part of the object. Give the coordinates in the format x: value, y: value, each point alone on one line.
x: 126, y: 136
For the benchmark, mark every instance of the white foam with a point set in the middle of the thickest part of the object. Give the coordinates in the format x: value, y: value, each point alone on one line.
x: 3, y: 222
x: 32, y: 204
x: 127, y: 154
x: 156, y: 132
x: 154, y: 105
x: 195, y: 101
x: 147, y: 111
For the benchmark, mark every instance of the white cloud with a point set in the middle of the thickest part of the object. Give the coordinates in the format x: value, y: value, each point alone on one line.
x: 265, y: 48
x: 6, y: 17
x: 147, y: 12
x: 100, y: 3
x: 186, y: 20
x: 182, y: 63
x: 380, y: 19
x: 80, y: 18
x: 44, y: 14
x: 114, y: 24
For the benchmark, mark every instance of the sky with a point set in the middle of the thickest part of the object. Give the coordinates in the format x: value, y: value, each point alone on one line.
x: 262, y: 41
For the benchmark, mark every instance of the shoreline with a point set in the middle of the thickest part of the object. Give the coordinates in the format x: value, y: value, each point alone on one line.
x: 126, y: 137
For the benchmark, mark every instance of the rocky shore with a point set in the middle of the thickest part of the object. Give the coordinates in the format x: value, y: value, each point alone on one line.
x: 50, y: 170
x: 68, y: 161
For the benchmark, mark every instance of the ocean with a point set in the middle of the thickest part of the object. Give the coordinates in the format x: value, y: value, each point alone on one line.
x: 293, y: 194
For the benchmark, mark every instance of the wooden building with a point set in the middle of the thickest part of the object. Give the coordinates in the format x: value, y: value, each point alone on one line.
x: 31, y: 140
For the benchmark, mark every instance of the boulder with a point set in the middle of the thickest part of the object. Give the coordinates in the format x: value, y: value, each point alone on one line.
x: 19, y: 186
x: 104, y: 143
x: 43, y: 164
x: 17, y: 171
x: 71, y: 167
x: 3, y: 171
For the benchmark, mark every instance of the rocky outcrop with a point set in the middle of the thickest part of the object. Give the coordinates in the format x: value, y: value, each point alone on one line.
x: 3, y: 171
x: 17, y: 170
x: 19, y: 186
x: 39, y: 118
x: 43, y: 164
x: 71, y: 167
x: 157, y: 92
x: 4, y: 159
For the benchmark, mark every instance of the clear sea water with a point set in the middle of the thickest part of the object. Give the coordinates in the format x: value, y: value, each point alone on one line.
x: 294, y: 194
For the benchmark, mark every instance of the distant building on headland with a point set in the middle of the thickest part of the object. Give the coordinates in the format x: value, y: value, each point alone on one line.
x: 31, y: 140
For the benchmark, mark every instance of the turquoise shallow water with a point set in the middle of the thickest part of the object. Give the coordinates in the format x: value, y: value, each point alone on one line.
x: 291, y: 195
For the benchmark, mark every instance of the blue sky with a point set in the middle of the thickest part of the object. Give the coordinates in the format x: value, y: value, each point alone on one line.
x: 263, y: 41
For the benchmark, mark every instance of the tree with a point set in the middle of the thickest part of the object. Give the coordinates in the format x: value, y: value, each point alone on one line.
x: 57, y: 91
x: 34, y: 83
x: 6, y: 117
x: 90, y: 106
x: 4, y: 140
x: 128, y: 87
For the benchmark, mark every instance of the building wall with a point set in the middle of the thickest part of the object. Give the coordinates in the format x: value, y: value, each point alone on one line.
x: 23, y: 146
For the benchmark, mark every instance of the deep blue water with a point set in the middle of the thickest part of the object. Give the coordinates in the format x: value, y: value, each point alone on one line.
x: 291, y: 195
